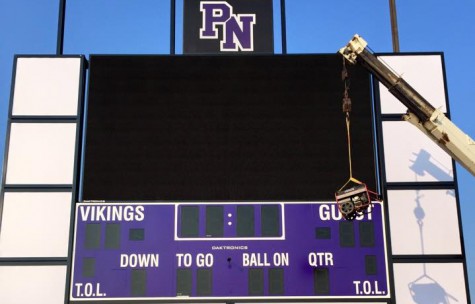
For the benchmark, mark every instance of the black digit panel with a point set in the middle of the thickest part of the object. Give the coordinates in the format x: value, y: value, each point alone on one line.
x: 183, y: 282
x: 347, y: 234
x: 366, y: 234
x: 276, y: 281
x: 323, y: 233
x: 321, y: 281
x: 371, y: 264
x: 222, y: 128
x: 138, y: 282
x: 270, y: 220
x: 136, y: 234
x: 245, y: 221
x: 189, y: 221
x: 256, y: 281
x: 93, y: 236
x: 88, y: 267
x: 204, y: 282
x: 112, y: 240
x: 214, y: 221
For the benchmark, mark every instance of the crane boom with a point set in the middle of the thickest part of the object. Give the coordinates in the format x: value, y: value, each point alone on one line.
x: 420, y: 113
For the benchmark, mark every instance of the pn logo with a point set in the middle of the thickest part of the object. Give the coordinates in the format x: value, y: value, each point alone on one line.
x: 237, y: 29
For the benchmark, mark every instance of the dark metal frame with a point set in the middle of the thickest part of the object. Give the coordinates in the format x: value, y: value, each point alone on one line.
x: 394, y: 27
x: 283, y: 26
x: 61, y: 24
x: 37, y: 119
x: 387, y: 186
x: 44, y: 188
x: 75, y: 188
x: 172, y: 26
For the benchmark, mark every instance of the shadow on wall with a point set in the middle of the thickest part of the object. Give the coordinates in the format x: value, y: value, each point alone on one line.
x: 424, y: 165
x: 426, y: 290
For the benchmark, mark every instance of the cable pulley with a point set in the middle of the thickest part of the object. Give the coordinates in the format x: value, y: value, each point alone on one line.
x: 353, y: 198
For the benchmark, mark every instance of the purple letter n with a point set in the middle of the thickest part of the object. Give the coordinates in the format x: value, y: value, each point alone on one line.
x: 239, y: 34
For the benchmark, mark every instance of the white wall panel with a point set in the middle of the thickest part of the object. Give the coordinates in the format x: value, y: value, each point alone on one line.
x: 430, y: 283
x: 46, y: 86
x: 424, y: 222
x: 423, y: 72
x: 41, y: 153
x: 410, y: 156
x: 32, y: 284
x: 35, y: 224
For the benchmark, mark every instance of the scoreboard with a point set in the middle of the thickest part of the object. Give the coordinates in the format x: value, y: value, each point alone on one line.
x: 212, y: 178
x: 226, y: 250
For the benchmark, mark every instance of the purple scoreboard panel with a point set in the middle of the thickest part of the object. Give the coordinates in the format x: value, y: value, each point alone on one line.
x: 185, y: 251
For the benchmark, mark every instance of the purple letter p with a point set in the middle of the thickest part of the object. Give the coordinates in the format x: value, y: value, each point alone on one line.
x: 214, y: 13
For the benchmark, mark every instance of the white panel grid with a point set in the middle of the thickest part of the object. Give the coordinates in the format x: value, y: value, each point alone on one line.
x: 410, y: 156
x: 430, y: 283
x: 46, y: 86
x: 423, y: 72
x: 416, y: 217
x: 41, y: 153
x: 32, y: 284
x: 35, y: 224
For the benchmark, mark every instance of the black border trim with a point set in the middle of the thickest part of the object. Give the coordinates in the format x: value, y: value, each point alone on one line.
x: 283, y: 24
x: 45, y: 188
x: 33, y: 261
x: 172, y: 26
x: 61, y: 24
x: 420, y: 185
x: 78, y: 157
x: 383, y: 185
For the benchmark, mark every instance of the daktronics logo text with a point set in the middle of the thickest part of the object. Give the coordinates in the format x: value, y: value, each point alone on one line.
x: 238, y: 29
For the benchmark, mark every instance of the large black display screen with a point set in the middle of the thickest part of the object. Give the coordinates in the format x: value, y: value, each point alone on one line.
x: 223, y: 128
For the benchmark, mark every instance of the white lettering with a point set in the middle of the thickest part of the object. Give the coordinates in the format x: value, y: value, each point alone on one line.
x: 88, y: 290
x: 112, y: 213
x: 357, y: 287
x: 203, y: 260
x: 78, y: 289
x: 184, y: 259
x: 331, y: 212
x: 139, y: 260
x: 367, y: 288
x: 84, y: 210
x: 117, y: 213
x: 255, y: 259
x: 376, y: 289
x: 139, y: 216
x: 280, y: 259
x: 316, y: 259
x: 245, y: 259
x: 128, y: 213
x: 98, y: 290
x: 100, y: 213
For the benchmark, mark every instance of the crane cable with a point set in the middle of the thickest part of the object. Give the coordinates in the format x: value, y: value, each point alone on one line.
x: 347, y: 109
